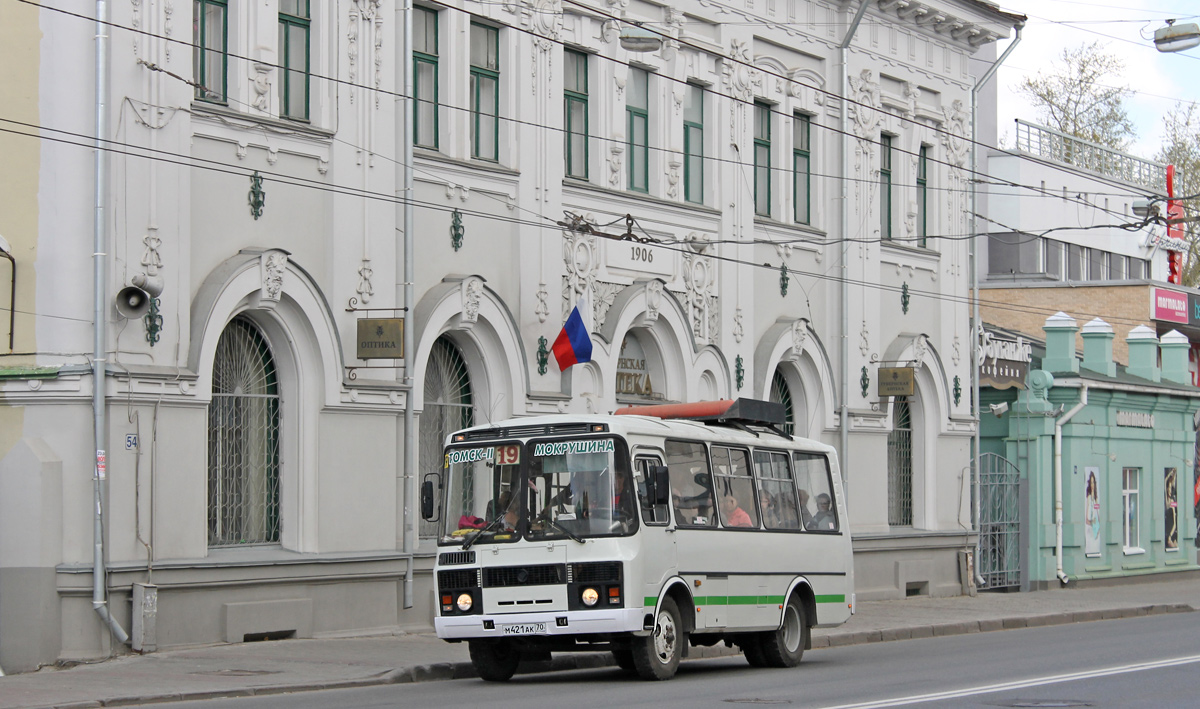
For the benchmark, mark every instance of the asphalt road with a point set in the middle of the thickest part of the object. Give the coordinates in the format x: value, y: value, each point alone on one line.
x: 1149, y: 661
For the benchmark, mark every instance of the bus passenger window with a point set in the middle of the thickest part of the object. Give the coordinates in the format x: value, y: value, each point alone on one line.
x: 691, y: 484
x: 776, y: 491
x: 816, y: 492
x: 735, y: 487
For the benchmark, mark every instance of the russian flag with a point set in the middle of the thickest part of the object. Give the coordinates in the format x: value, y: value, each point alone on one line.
x: 574, y: 344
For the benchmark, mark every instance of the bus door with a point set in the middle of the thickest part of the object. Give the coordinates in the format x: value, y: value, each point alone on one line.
x: 657, y: 534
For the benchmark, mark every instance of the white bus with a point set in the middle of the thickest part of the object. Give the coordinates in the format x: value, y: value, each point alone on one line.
x: 642, y: 534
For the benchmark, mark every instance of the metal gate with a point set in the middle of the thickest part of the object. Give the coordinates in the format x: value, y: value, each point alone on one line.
x: 999, y: 562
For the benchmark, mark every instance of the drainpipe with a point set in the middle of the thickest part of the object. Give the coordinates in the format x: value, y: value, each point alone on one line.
x: 100, y: 325
x: 412, y: 529
x: 843, y: 89
x: 973, y: 273
x: 1058, y: 505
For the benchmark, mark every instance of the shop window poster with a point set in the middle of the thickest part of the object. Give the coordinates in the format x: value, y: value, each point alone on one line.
x: 1091, y: 511
x: 1171, y: 508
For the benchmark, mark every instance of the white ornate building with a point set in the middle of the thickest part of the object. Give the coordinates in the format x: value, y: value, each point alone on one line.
x: 254, y: 477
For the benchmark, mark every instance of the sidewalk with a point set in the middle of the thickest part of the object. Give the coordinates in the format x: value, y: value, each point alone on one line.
x: 296, y: 665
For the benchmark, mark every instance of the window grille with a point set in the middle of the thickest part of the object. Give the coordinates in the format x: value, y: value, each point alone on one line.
x: 900, y: 467
x: 449, y: 406
x: 782, y: 394
x: 243, y: 440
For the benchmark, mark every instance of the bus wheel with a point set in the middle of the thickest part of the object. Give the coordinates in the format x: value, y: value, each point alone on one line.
x: 494, y: 660
x: 623, y: 656
x: 656, y: 656
x: 785, y: 647
x: 753, y: 651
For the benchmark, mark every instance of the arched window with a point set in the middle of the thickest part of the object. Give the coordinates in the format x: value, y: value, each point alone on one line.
x: 449, y: 406
x: 900, y: 466
x: 782, y: 394
x: 243, y: 440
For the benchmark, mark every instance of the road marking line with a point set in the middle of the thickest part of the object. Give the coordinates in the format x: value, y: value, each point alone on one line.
x: 1021, y: 684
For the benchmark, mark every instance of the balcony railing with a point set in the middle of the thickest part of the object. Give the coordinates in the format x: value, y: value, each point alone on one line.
x: 1052, y: 145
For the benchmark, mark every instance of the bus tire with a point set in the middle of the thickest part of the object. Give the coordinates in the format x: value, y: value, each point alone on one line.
x: 494, y: 660
x: 623, y: 656
x: 752, y: 649
x: 785, y: 647
x: 656, y: 656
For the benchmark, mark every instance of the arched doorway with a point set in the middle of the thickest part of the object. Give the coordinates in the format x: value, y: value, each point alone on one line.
x: 781, y: 393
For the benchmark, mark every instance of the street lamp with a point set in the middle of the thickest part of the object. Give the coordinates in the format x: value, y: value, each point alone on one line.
x: 635, y: 38
x: 1176, y: 38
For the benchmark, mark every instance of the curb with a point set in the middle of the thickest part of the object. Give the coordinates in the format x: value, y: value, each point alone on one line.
x: 443, y: 671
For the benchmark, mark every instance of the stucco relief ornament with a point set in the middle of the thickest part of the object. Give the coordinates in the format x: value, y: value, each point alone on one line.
x: 739, y: 330
x: 912, y: 92
x: 365, y: 289
x: 864, y: 93
x: 673, y: 19
x: 957, y: 351
x: 261, y: 81
x: 954, y: 134
x: 799, y: 338
x: 352, y: 46
x: 168, y: 25
x: 150, y: 258
x: 472, y: 294
x: 272, y: 265
x: 581, y: 258
x: 864, y: 344
x: 542, y: 309
x: 673, y: 178
x: 741, y: 79
x: 616, y: 154
x: 698, y: 282
x: 654, y: 291
x: 136, y: 22
x: 920, y: 350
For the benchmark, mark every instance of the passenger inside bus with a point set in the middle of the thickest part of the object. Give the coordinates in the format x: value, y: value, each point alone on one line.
x: 805, y: 513
x: 733, y: 514
x: 824, y: 518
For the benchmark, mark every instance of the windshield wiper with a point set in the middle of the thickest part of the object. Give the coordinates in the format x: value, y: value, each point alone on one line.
x: 467, y: 544
x: 554, y: 523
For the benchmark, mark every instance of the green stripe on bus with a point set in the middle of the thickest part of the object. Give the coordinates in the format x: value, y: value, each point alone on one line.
x: 652, y: 601
x: 832, y: 598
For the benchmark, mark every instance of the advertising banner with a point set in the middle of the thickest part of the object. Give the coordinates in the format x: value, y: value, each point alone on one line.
x: 1091, y: 511
x: 1169, y: 305
x: 1171, y: 509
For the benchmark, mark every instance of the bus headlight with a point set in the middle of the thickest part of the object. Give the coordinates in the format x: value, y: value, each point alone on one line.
x: 464, y: 602
x: 590, y: 596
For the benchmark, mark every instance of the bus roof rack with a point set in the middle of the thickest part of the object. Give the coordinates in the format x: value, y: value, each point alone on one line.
x: 739, y: 412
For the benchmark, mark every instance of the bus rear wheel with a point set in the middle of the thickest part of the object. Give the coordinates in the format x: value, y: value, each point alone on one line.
x: 494, y: 660
x: 785, y: 647
x: 656, y: 656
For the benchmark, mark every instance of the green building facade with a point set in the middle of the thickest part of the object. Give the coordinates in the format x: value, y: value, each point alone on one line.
x: 1106, y: 456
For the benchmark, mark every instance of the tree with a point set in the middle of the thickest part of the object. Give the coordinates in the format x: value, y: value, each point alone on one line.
x: 1078, y: 96
x: 1181, y: 148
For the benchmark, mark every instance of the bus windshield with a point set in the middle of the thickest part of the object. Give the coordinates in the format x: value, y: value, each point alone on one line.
x: 538, y: 490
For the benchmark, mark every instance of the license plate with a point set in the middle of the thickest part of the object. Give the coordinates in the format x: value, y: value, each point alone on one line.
x: 524, y: 629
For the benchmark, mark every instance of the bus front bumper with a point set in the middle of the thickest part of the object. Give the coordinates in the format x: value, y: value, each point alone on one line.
x: 616, y: 620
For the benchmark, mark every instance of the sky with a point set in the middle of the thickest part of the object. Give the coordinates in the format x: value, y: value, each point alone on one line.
x: 1123, y: 27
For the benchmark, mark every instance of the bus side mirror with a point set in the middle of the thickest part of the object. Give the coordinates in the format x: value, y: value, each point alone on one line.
x: 662, y: 485
x: 427, y: 500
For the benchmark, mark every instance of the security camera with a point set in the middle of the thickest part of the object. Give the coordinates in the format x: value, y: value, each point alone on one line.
x: 999, y: 409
